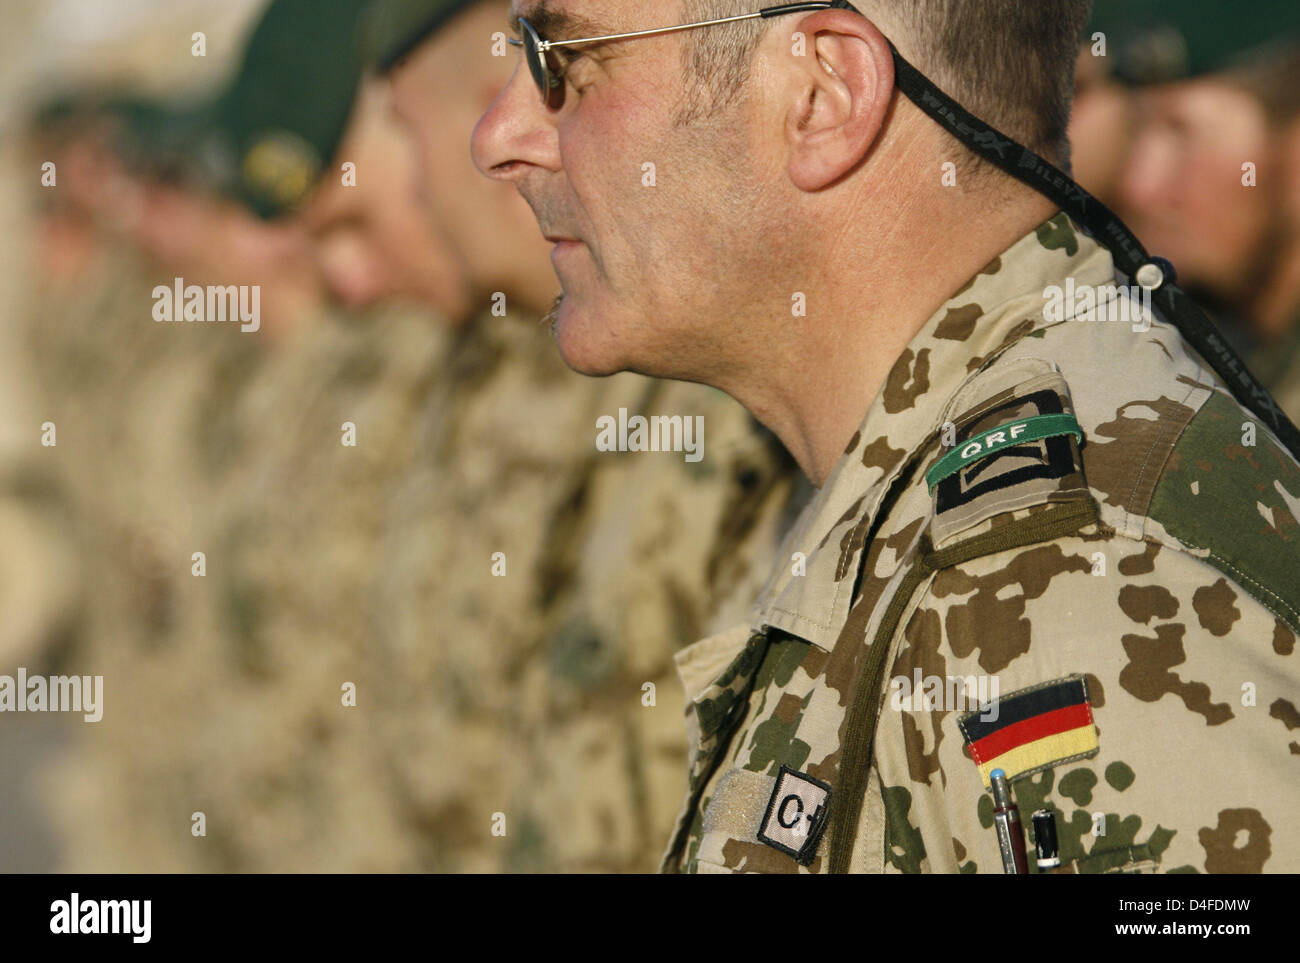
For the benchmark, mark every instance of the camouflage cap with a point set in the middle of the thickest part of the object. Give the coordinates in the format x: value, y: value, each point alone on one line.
x: 1158, y: 41
x: 396, y: 27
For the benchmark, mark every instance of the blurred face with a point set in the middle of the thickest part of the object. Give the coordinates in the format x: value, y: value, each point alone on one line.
x: 1100, y: 128
x: 1182, y: 186
x: 65, y: 224
x: 648, y: 219
x: 373, y: 240
x: 439, y: 90
x: 211, y: 240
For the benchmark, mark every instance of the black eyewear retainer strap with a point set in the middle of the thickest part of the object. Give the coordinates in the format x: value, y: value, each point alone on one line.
x: 782, y: 9
x: 1106, y: 227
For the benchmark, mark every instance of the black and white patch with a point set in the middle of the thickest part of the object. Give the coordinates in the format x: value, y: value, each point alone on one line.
x: 796, y: 815
x: 1013, y: 476
x: 1051, y: 458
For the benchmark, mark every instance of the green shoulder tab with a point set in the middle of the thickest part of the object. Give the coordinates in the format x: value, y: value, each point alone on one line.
x: 1230, y: 489
x: 1033, y: 428
x: 1011, y: 447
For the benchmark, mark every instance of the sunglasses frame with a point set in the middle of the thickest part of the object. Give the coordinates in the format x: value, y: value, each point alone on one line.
x: 549, y: 79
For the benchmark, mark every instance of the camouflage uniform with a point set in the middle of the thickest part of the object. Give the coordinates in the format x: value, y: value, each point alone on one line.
x: 1134, y: 597
x: 225, y: 446
x: 522, y: 693
x: 292, y: 778
x: 118, y: 387
x: 645, y: 555
x: 122, y: 390
x: 495, y: 434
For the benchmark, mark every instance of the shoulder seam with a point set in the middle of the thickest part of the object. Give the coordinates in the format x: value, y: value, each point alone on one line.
x: 1155, y: 442
x: 1289, y: 615
x: 1293, y: 621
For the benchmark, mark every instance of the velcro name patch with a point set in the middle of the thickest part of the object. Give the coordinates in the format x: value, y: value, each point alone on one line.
x: 796, y: 815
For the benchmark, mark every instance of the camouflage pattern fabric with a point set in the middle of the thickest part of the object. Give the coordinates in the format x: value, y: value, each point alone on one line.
x: 521, y: 694
x: 223, y: 691
x: 1151, y: 571
x: 647, y: 553
x: 526, y: 737
x: 293, y: 775
x: 496, y: 436
x: 118, y: 388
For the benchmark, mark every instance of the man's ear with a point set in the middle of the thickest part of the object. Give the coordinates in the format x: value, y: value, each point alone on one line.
x: 841, y: 71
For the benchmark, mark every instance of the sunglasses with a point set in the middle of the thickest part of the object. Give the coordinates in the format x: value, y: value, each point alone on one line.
x: 548, y: 69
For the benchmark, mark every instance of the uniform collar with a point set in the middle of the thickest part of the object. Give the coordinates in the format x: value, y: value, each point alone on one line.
x: 1002, y: 304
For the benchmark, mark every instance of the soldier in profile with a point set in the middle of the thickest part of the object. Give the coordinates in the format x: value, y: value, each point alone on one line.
x: 1123, y: 559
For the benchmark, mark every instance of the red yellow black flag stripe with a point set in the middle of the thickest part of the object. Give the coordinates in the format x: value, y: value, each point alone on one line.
x: 1032, y: 729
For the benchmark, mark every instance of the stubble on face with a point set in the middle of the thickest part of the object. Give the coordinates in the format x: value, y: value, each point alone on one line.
x: 550, y: 318
x: 669, y: 265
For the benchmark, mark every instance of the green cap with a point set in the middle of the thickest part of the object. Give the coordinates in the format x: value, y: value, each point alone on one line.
x: 396, y: 27
x: 1158, y: 41
x: 282, y: 118
x: 267, y: 138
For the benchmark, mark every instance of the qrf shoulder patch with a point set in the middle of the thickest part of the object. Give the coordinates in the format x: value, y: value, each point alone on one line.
x: 1032, y: 729
x: 1003, y: 438
x: 796, y: 815
x: 1015, y: 446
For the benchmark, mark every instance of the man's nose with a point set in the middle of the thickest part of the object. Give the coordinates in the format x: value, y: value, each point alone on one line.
x: 516, y: 132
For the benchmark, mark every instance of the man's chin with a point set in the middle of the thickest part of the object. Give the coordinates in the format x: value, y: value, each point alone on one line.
x: 582, y: 342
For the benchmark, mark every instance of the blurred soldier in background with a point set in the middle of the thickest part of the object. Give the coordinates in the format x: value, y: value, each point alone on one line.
x: 1101, y: 116
x: 67, y: 269
x: 462, y: 568
x: 1208, y: 177
x: 226, y: 452
x: 38, y: 561
x: 373, y: 242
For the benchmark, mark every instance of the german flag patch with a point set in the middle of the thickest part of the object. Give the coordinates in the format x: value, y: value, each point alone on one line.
x: 1032, y: 729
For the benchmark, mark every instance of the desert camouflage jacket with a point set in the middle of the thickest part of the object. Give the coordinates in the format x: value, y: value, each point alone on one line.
x: 531, y: 593
x: 1056, y: 546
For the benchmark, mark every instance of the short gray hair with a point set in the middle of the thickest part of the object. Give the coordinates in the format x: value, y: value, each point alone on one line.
x: 718, y: 58
x: 1009, y: 62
